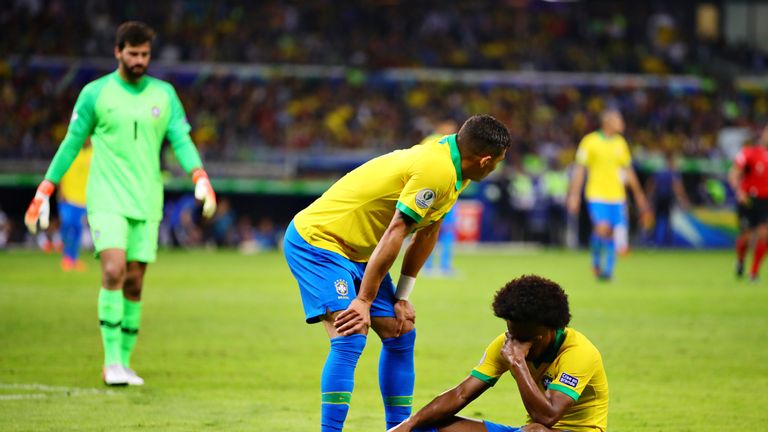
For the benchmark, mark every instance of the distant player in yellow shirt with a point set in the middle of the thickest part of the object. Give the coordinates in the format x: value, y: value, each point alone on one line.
x: 559, y: 373
x: 603, y: 158
x: 341, y: 247
x: 72, y: 208
x: 447, y: 236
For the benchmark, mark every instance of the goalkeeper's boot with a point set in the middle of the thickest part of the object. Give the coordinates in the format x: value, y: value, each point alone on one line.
x: 739, y: 269
x: 133, y: 379
x: 114, y: 375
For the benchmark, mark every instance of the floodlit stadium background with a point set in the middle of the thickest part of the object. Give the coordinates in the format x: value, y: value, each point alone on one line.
x: 284, y: 97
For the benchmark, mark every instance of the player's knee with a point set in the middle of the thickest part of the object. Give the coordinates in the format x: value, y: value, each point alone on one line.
x: 113, y: 274
x: 388, y: 327
x: 604, y: 230
x: 133, y: 285
x: 408, y: 327
x: 536, y: 427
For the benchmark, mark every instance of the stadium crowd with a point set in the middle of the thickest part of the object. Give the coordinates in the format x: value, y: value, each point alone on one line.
x: 236, y: 120
x: 511, y: 35
x: 239, y: 118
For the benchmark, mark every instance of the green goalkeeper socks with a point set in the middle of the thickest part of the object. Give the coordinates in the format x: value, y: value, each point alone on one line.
x: 130, y: 329
x: 110, y: 319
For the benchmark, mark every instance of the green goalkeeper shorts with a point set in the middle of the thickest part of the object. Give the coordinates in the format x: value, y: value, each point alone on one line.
x: 138, y: 238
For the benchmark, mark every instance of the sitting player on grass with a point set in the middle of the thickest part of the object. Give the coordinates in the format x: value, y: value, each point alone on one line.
x: 558, y: 371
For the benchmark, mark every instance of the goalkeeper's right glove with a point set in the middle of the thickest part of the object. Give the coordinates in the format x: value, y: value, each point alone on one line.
x: 40, y: 207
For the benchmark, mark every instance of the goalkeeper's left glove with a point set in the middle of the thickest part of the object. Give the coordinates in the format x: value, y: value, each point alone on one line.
x: 204, y: 192
x: 40, y: 207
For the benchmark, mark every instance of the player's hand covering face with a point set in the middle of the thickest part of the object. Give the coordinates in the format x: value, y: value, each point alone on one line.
x: 515, y: 350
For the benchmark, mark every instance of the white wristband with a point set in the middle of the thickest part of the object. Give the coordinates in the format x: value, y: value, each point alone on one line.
x: 404, y: 287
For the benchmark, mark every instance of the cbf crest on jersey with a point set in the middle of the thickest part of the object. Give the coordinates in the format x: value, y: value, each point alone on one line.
x: 425, y: 198
x: 546, y: 381
x: 342, y: 288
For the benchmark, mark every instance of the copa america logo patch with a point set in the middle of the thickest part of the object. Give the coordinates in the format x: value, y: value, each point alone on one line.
x: 342, y: 288
x: 155, y: 112
x: 569, y: 380
x: 425, y: 198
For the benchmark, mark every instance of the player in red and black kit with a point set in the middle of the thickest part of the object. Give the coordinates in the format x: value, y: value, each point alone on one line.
x: 749, y: 178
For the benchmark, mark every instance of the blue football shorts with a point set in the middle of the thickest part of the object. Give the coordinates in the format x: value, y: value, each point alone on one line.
x: 610, y: 213
x: 489, y: 426
x: 329, y: 281
x: 495, y: 427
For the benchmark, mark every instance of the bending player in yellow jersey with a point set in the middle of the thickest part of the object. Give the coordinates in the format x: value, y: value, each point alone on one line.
x: 559, y: 373
x: 603, y: 158
x: 341, y: 247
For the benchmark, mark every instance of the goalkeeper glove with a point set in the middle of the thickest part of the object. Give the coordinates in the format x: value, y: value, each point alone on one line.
x: 204, y: 192
x: 40, y: 207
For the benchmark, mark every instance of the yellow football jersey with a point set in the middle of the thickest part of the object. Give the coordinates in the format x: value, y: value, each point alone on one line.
x: 573, y: 366
x: 430, y: 139
x: 73, y: 183
x: 423, y: 182
x: 605, y: 158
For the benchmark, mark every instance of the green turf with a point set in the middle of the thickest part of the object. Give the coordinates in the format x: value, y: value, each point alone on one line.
x: 224, y: 347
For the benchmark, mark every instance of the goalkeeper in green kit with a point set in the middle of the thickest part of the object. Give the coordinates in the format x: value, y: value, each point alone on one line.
x: 127, y: 115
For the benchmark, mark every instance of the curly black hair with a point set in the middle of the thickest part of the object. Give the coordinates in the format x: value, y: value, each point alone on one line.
x: 533, y: 299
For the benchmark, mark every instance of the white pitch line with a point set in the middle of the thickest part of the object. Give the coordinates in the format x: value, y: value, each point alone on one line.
x: 49, y: 391
x: 23, y: 396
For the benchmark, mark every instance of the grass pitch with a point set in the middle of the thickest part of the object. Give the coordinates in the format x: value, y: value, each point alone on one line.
x: 223, y: 345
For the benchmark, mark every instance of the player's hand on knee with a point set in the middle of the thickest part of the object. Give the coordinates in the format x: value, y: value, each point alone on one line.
x: 40, y: 207
x: 204, y: 192
x: 404, y: 312
x: 354, y: 319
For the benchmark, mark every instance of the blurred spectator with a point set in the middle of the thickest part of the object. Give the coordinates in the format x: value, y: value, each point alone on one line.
x: 664, y: 188
x: 5, y: 229
x: 263, y: 237
x: 245, y: 235
x: 266, y: 234
x: 180, y: 217
x: 555, y: 184
x: 222, y: 225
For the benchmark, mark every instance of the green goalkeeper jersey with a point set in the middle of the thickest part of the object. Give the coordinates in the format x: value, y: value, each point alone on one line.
x: 127, y: 123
